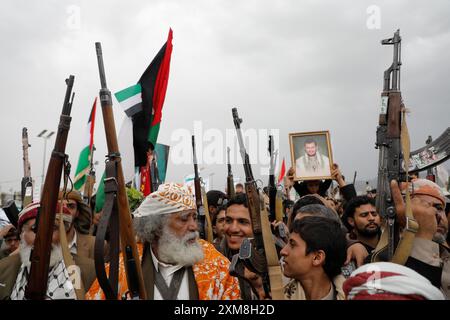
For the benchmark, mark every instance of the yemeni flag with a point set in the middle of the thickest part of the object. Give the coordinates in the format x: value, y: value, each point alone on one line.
x: 146, y: 123
x: 85, y: 155
x: 282, y: 172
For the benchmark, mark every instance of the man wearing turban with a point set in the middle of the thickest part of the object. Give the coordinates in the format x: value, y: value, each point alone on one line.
x: 176, y: 264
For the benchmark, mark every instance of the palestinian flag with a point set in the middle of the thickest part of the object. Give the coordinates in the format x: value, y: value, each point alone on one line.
x: 142, y: 104
x: 146, y: 123
x: 85, y: 155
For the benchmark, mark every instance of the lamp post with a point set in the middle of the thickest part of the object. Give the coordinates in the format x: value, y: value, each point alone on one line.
x: 44, y: 136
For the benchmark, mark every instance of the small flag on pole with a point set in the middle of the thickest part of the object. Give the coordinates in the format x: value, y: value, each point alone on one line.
x: 84, y: 159
x: 282, y: 172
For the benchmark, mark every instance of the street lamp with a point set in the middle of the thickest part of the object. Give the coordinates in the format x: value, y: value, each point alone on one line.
x: 44, y: 136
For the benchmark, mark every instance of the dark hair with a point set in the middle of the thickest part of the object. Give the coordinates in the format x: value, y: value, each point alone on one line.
x: 288, y: 203
x: 351, y: 206
x: 316, y: 210
x: 321, y: 233
x: 309, y: 141
x: 303, y: 201
x: 215, y: 198
x: 214, y: 216
x: 240, y: 185
x: 239, y: 198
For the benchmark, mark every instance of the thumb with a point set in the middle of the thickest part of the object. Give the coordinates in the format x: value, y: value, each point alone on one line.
x: 349, y: 258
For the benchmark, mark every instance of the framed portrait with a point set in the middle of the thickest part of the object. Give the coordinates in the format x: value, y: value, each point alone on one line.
x: 311, y: 155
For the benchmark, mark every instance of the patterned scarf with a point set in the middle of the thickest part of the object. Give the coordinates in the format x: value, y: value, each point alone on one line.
x: 59, y: 285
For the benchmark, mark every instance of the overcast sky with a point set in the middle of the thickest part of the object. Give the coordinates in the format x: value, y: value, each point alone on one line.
x: 291, y: 66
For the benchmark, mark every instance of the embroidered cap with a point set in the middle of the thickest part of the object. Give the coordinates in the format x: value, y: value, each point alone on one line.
x: 169, y: 198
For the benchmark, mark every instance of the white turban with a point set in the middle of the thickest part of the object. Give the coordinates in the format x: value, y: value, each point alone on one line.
x: 169, y: 198
x: 386, y: 280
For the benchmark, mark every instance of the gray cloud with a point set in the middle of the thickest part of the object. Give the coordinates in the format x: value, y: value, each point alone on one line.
x: 289, y: 65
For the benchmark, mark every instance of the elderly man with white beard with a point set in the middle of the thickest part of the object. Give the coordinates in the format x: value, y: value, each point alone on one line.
x: 176, y: 264
x: 14, y: 270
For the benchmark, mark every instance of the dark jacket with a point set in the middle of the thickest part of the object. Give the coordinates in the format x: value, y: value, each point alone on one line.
x: 10, y: 267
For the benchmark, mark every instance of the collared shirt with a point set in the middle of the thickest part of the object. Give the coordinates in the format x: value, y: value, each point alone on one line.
x: 330, y: 295
x: 167, y: 271
x: 73, y: 244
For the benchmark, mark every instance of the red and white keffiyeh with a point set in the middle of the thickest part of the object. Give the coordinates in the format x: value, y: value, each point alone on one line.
x: 389, y: 281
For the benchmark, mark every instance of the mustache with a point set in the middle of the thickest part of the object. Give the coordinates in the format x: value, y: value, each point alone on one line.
x: 191, y: 236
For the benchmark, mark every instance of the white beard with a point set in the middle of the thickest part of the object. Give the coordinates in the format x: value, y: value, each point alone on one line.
x: 175, y: 250
x: 25, y: 254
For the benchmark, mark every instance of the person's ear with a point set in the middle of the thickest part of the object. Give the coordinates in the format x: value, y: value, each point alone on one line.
x: 351, y: 221
x: 318, y: 258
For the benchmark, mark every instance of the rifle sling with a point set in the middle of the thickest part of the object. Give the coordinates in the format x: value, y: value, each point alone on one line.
x: 405, y: 244
x: 67, y: 256
x: 110, y: 217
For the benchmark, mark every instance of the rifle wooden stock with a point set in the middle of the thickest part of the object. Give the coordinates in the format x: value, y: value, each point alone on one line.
x: 273, y: 265
x: 88, y: 188
x: 201, y: 215
x: 279, y: 209
x: 127, y: 236
x: 209, y: 231
x: 40, y: 257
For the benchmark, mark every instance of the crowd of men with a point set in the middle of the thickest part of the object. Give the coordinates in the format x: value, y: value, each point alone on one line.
x: 327, y: 251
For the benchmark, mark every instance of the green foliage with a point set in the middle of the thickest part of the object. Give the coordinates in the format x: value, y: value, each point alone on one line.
x: 135, y: 198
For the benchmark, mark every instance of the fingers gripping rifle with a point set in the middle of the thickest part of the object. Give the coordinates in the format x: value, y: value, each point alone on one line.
x: 40, y: 256
x: 116, y: 209
x: 258, y: 254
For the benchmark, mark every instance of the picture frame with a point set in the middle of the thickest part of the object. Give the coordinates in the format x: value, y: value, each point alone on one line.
x: 311, y: 155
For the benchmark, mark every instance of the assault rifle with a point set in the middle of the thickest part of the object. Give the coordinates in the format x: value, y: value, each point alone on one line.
x: 388, y: 143
x: 272, y: 187
x: 204, y: 223
x: 117, y: 210
x: 40, y: 256
x: 275, y: 198
x: 257, y: 254
x: 27, y: 181
x: 230, y: 181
